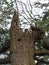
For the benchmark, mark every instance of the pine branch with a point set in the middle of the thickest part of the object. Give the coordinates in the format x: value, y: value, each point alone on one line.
x: 42, y: 52
x: 5, y: 60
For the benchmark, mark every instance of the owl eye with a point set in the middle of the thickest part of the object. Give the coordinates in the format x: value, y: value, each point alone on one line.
x: 19, y: 39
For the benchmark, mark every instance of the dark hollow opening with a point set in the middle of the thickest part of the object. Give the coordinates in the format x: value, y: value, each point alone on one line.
x: 19, y: 39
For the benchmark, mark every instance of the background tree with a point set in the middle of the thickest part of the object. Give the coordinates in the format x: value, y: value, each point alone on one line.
x: 6, y: 12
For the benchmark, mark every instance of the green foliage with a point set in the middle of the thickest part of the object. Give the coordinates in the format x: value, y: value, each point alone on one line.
x: 6, y: 9
x: 46, y: 15
x: 4, y: 38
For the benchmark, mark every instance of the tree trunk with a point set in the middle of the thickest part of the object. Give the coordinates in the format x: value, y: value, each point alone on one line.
x: 22, y: 45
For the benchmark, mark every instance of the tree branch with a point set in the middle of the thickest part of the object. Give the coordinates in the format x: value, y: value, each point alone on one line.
x: 5, y: 60
x: 41, y: 61
x: 4, y: 48
x: 41, y: 53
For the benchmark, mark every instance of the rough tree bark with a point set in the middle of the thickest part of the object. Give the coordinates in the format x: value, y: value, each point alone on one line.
x: 22, y: 45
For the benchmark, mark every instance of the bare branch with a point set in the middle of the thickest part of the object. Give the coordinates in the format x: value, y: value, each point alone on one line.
x: 24, y: 17
x: 27, y: 11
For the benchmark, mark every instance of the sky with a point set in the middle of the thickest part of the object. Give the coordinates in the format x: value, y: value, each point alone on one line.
x: 42, y: 1
x: 36, y: 11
